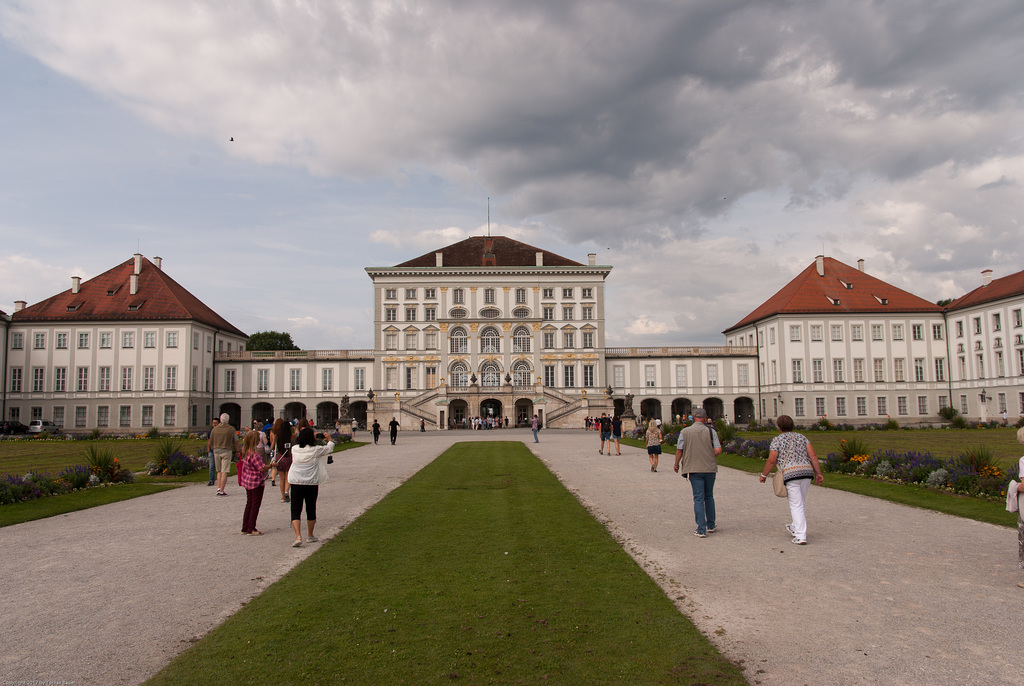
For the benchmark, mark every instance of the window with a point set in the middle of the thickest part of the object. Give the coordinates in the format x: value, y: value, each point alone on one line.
x: 360, y: 379
x: 567, y: 312
x: 410, y: 293
x: 837, y: 371
x: 549, y: 375
x: 430, y: 293
x: 81, y: 416
x: 128, y: 340
x: 459, y: 375
x: 917, y: 332
x: 588, y: 311
x: 207, y: 377
x: 997, y: 322
x: 125, y: 415
x: 390, y: 293
x: 38, y: 378
x: 82, y: 374
x: 18, y: 340
x: 901, y: 404
x: 649, y: 372
x: 39, y: 341
x: 326, y: 379
x: 521, y: 374
x: 862, y: 406
x: 841, y: 407
x: 878, y: 365
x: 209, y: 349
x: 60, y: 379
x: 549, y: 312
x: 977, y: 325
x: 819, y: 407
x: 521, y: 340
x: 858, y: 370
x: 588, y: 339
x: 549, y: 340
x: 410, y: 378
x: 410, y: 341
x: 431, y: 374
x: 897, y: 332
x: 771, y: 335
x: 488, y: 296
x: 103, y: 415
x: 229, y: 380
x: 126, y: 378
x: 567, y: 292
x: 391, y: 341
x: 818, y: 371
x: 390, y: 313
x: 430, y: 314
x: 490, y: 375
x: 794, y: 333
x: 999, y: 363
x: 15, y: 380
x: 857, y: 332
x: 712, y: 375
x: 490, y: 341
x: 569, y: 375
x: 588, y: 376
x: 104, y: 382
x: 837, y: 332
x: 922, y: 404
x: 1002, y: 402
x: 410, y: 314
x: 882, y: 403
x: 62, y: 341
x: 897, y: 369
x: 169, y: 415
x: 520, y: 296
x: 798, y: 371
x: 1017, y: 319
x: 876, y: 332
x: 521, y: 312
x: 548, y: 292
x: 171, y: 378
x: 981, y: 366
x: 459, y: 341
x: 936, y: 332
x: 106, y: 340
x: 458, y: 296
x: 430, y: 340
x: 963, y: 404
x: 147, y: 415
x: 149, y: 378
x: 940, y: 369
x: 798, y: 407
x: 295, y: 379
x: 919, y: 369
x: 195, y: 342
x: 569, y: 339
x: 815, y: 332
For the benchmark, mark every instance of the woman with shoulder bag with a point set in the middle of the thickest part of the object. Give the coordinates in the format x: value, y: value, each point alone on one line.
x: 281, y: 443
x: 797, y: 461
x: 653, y: 438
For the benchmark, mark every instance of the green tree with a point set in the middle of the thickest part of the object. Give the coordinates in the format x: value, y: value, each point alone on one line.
x: 271, y: 340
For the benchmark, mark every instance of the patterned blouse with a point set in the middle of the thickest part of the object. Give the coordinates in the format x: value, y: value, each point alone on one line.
x: 653, y: 435
x: 250, y: 475
x: 794, y: 460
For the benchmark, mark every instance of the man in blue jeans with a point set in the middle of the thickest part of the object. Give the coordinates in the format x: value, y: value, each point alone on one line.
x: 697, y: 447
x: 209, y: 457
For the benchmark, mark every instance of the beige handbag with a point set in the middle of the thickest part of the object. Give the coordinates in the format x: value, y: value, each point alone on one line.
x: 778, y: 484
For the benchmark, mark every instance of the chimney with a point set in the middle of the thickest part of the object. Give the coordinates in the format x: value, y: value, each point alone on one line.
x: 986, y: 277
x: 138, y: 263
x: 540, y: 259
x: 76, y: 283
x: 19, y: 305
x: 860, y: 265
x: 159, y: 262
x: 591, y: 258
x: 489, y: 259
x: 439, y: 257
x: 134, y: 284
x: 819, y: 262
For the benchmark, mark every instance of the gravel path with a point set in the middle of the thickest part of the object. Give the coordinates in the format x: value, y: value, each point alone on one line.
x: 882, y: 594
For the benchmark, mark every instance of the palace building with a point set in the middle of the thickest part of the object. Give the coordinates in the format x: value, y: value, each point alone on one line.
x: 491, y: 326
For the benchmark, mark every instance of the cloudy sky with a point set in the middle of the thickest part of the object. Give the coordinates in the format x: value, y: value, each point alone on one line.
x: 706, y: 149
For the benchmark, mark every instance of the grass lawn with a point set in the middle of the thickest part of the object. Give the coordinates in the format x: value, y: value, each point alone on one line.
x: 482, y: 568
x: 19, y: 457
x: 16, y: 513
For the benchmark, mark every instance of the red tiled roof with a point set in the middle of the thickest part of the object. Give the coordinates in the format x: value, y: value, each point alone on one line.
x: 997, y: 289
x: 107, y: 297
x: 810, y: 293
x: 476, y: 251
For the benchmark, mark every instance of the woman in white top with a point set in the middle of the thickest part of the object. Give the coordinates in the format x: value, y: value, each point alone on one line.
x: 308, y: 471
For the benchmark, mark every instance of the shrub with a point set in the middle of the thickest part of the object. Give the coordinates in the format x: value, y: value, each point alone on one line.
x: 981, y: 459
x: 958, y: 422
x: 102, y: 462
x: 180, y: 464
x: 95, y: 434
x: 938, y: 479
x: 166, y: 447
x: 854, y: 447
x: 884, y: 469
x: 77, y: 476
x: 153, y: 433
x: 726, y: 432
x: 948, y: 413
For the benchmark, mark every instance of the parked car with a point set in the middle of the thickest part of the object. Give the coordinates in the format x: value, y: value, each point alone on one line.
x: 38, y: 426
x: 11, y: 427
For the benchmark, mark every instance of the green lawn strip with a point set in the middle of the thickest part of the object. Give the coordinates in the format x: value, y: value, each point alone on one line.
x: 19, y: 457
x: 41, y: 508
x: 978, y: 509
x: 482, y: 568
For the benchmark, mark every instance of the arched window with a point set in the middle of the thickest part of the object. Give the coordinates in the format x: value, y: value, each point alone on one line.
x: 459, y: 375
x: 490, y: 340
x: 521, y: 339
x: 522, y: 374
x: 490, y: 374
x: 459, y: 341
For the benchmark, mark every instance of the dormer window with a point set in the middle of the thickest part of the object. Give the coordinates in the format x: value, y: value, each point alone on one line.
x: 74, y: 308
x: 114, y: 290
x: 882, y: 301
x: 134, y: 307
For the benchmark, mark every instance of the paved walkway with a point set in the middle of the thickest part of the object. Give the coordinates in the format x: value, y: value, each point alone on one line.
x: 883, y: 594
